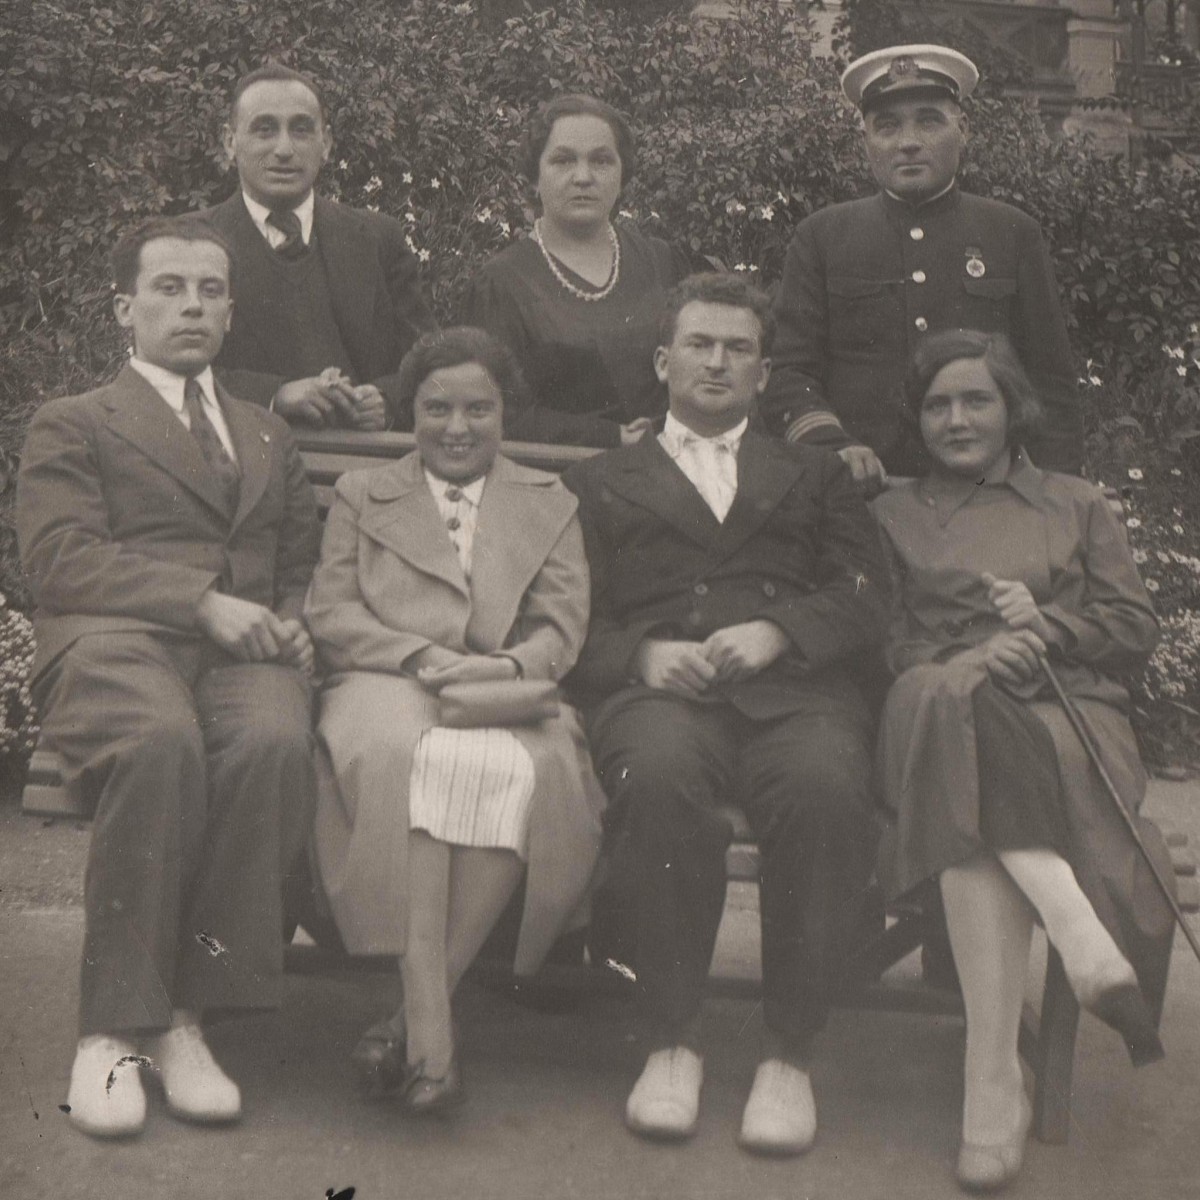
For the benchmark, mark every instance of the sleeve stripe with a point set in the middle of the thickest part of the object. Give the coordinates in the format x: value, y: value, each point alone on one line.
x: 817, y: 419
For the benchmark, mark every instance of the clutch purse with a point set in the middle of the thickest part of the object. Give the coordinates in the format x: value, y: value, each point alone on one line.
x: 497, y: 702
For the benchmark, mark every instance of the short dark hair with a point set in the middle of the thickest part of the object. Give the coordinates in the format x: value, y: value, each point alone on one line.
x: 277, y: 73
x: 718, y: 287
x: 451, y: 348
x: 127, y: 254
x: 1025, y: 415
x: 575, y: 104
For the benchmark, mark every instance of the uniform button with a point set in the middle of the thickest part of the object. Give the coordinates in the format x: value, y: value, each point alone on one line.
x: 918, y: 277
x: 921, y: 324
x: 453, y: 494
x: 701, y: 589
x: 769, y: 589
x: 916, y: 233
x: 453, y: 524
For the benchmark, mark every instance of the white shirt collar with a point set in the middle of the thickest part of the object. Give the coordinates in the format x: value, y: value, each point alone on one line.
x: 170, y: 386
x: 676, y: 435
x: 260, y: 212
x: 927, y: 200
x: 471, y: 492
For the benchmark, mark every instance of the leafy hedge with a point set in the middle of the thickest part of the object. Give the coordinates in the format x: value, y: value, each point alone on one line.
x: 112, y: 110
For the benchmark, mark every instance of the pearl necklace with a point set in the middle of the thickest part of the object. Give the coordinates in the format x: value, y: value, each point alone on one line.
x: 578, y: 292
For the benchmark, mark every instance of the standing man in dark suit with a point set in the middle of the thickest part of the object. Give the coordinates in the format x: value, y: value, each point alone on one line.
x: 329, y: 298
x: 169, y: 533
x: 865, y: 282
x: 734, y: 581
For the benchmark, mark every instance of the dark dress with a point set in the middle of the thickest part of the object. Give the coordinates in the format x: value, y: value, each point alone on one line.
x: 1056, y: 534
x: 589, y: 364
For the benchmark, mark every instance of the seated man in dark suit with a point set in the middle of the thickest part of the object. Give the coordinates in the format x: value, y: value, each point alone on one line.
x: 169, y: 532
x: 734, y: 579
x: 329, y: 298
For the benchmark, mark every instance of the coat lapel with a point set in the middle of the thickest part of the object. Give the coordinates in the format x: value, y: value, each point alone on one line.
x: 253, y: 447
x: 348, y: 253
x: 766, y: 473
x: 254, y: 288
x: 649, y: 478
x: 143, y: 418
x: 402, y: 515
x: 521, y: 517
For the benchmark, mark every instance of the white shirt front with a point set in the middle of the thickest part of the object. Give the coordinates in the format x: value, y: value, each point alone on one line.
x: 170, y: 387
x: 275, y: 237
x: 458, y: 507
x: 710, y: 463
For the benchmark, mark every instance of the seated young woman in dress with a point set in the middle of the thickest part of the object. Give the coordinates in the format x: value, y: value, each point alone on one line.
x: 996, y: 564
x: 451, y: 565
x: 578, y: 301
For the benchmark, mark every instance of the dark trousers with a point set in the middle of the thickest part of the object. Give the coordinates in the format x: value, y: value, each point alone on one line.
x: 804, y: 783
x: 201, y: 769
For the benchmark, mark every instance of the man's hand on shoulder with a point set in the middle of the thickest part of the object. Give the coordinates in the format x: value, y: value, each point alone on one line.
x: 866, y: 468
x: 248, y: 631
x: 680, y: 668
x: 318, y: 400
x: 740, y: 651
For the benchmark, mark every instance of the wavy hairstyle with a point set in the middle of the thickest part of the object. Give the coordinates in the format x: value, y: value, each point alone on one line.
x: 575, y: 104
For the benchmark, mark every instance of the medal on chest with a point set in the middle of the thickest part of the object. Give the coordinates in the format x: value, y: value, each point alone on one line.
x: 975, y: 264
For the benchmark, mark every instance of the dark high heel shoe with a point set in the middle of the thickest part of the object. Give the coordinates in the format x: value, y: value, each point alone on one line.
x: 380, y: 1060
x: 426, y: 1097
x: 992, y: 1167
x: 1124, y: 1009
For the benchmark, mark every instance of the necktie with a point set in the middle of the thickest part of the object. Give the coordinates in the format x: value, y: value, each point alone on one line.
x: 288, y: 224
x: 214, y: 452
x: 715, y: 473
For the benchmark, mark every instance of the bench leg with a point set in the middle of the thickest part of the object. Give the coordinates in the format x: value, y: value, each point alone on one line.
x: 1053, y: 1057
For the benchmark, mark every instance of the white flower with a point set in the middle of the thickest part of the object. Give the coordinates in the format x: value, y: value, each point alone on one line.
x: 734, y: 207
x: 1140, y: 556
x: 423, y: 255
x: 407, y: 177
x: 626, y: 214
x: 505, y: 228
x: 655, y: 215
x: 741, y: 267
x: 1152, y: 585
x: 1134, y: 523
x: 1173, y: 352
x: 410, y: 217
x: 1176, y: 471
x: 483, y: 216
x: 373, y: 184
x: 767, y: 213
x: 435, y: 183
x: 780, y: 198
x: 1177, y: 529
x: 372, y: 207
x: 343, y: 165
x: 1181, y: 370
x: 410, y: 243
x: 1135, y: 473
x: 1162, y: 556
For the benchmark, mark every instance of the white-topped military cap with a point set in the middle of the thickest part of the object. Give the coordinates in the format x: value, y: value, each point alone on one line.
x: 896, y: 70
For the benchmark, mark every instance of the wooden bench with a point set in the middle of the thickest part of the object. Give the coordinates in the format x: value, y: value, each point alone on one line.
x: 1047, y: 1035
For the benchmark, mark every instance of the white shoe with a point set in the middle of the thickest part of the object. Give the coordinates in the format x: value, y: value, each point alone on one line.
x: 196, y: 1088
x: 105, y: 1097
x: 665, y: 1101
x: 781, y: 1114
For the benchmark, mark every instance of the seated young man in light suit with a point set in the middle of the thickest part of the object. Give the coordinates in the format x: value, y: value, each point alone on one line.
x: 329, y: 297
x: 735, y: 579
x: 169, y: 532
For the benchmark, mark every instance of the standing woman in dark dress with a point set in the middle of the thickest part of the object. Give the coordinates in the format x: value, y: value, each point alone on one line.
x: 577, y: 301
x: 996, y: 563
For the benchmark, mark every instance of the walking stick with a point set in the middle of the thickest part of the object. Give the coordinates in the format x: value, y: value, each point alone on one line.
x: 1084, y: 734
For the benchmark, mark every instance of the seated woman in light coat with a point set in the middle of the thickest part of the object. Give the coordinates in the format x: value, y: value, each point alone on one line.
x: 453, y: 564
x: 996, y: 564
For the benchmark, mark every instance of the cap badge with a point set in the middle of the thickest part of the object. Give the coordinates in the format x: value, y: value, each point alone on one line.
x: 903, y: 67
x: 975, y: 265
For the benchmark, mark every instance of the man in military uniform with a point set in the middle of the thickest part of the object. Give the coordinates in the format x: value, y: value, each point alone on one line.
x: 866, y: 281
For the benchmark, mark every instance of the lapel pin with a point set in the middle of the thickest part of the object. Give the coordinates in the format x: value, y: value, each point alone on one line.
x: 266, y: 437
x: 975, y: 265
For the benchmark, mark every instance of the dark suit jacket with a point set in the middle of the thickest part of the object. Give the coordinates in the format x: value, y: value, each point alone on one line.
x: 122, y: 526
x: 865, y: 282
x: 374, y: 287
x: 798, y: 547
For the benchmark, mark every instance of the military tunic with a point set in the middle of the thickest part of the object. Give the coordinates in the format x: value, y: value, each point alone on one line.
x: 865, y: 282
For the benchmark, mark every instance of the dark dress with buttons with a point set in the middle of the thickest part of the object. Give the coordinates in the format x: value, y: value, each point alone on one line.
x: 866, y: 282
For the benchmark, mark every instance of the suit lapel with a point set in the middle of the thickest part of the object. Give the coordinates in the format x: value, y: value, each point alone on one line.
x: 648, y: 477
x: 144, y: 419
x: 766, y: 473
x: 348, y: 254
x: 254, y: 290
x: 520, y: 519
x: 252, y: 445
x: 402, y: 515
